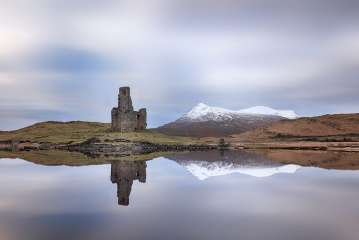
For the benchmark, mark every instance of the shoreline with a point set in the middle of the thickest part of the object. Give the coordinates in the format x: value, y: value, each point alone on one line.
x: 95, y: 146
x: 340, y: 160
x: 299, y: 145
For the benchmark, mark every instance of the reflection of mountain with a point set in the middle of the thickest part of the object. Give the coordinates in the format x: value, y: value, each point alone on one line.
x: 124, y: 173
x: 203, y: 170
x: 209, y: 164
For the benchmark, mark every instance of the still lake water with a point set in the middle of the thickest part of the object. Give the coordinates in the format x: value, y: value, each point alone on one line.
x: 178, y: 197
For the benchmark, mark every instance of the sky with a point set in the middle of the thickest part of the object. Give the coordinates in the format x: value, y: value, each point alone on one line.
x: 65, y: 60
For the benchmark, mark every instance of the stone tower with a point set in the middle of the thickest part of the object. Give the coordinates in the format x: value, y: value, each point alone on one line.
x: 124, y: 118
x: 124, y: 100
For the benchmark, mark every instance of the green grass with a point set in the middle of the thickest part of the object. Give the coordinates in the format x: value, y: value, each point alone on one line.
x: 77, y: 131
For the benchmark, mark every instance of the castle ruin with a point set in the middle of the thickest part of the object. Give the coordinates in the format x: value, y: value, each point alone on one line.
x: 124, y: 118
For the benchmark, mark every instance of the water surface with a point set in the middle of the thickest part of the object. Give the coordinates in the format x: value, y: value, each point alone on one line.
x: 183, y: 196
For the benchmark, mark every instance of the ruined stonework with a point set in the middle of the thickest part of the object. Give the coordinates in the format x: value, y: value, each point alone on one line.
x: 124, y: 118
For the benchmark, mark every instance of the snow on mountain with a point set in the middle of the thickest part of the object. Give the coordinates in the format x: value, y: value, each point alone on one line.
x: 203, y: 170
x: 290, y: 114
x: 203, y: 112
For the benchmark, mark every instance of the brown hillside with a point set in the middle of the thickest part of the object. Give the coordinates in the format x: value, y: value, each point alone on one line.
x: 315, y: 128
x: 217, y: 128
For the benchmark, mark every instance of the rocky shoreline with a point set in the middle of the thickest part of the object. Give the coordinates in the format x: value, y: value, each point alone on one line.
x: 95, y: 146
x: 299, y: 145
x: 123, y: 147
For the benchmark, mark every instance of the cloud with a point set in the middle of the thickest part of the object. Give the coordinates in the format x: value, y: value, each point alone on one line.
x: 71, y: 57
x: 68, y: 60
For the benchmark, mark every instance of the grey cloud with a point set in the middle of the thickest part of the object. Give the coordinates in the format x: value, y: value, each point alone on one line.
x: 14, y: 118
x: 269, y: 13
x: 174, y: 54
x: 69, y: 60
x: 34, y: 114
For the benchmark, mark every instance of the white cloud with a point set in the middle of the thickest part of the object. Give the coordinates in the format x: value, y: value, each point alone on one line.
x: 175, y: 53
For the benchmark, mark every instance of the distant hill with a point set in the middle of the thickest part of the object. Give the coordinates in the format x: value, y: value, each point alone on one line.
x: 79, y: 131
x: 207, y: 121
x: 322, y: 128
x: 55, y: 131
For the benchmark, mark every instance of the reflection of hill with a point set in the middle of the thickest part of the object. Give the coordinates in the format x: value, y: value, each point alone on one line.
x: 262, y: 163
x: 57, y: 157
x: 209, y: 164
x: 123, y: 173
x: 124, y: 169
x: 322, y: 159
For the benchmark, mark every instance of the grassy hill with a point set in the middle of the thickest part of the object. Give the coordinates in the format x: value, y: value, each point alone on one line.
x: 78, y: 131
x: 338, y: 127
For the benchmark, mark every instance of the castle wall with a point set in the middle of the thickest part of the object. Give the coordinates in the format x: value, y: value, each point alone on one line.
x: 123, y: 118
x: 114, y: 122
x: 141, y: 119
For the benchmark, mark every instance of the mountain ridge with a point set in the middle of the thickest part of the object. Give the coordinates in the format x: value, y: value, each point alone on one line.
x: 204, y: 112
x: 207, y: 121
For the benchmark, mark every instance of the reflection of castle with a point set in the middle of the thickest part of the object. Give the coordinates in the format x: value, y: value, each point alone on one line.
x: 123, y: 173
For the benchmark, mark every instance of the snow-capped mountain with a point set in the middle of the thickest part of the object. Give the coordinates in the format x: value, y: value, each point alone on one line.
x: 204, y: 170
x: 207, y: 121
x: 203, y: 112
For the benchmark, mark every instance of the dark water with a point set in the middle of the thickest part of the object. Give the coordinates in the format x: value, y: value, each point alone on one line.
x: 179, y: 197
